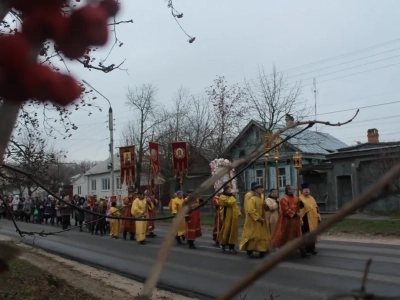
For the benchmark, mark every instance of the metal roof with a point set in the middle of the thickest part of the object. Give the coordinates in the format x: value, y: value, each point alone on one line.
x: 102, y: 167
x: 313, y: 142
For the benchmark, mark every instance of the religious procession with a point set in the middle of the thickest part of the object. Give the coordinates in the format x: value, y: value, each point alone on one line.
x: 269, y: 222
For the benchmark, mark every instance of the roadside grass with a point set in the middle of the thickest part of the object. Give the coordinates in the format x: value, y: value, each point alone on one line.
x: 395, y: 214
x: 360, y: 226
x: 26, y: 281
x: 365, y: 226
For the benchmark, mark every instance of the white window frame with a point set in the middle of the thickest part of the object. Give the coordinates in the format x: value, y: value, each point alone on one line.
x: 79, y: 190
x: 94, y: 184
x: 286, y: 177
x: 105, y: 184
x: 282, y: 178
x: 119, y: 185
x: 258, y: 179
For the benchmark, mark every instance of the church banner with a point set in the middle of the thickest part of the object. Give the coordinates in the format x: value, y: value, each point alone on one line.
x: 154, y: 158
x: 180, y: 157
x: 127, y: 163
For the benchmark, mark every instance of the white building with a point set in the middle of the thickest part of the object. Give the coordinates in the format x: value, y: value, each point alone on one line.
x: 97, y: 181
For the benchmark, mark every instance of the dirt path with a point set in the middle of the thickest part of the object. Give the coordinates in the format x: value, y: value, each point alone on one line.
x: 100, y: 284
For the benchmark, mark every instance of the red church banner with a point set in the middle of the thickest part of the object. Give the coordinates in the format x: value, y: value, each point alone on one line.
x: 154, y: 158
x: 180, y: 157
x: 127, y: 164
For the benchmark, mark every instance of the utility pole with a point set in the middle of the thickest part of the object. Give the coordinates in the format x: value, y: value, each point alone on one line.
x: 315, y: 102
x: 111, y: 127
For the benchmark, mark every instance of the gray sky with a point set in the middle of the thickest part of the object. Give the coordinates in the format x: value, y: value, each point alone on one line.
x: 233, y: 38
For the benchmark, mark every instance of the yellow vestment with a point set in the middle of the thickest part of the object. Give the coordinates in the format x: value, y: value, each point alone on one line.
x: 229, y: 212
x: 140, y: 208
x: 176, y: 206
x: 256, y: 235
x: 114, y: 223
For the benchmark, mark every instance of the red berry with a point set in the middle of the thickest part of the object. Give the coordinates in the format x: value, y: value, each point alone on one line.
x: 90, y: 24
x: 110, y: 6
x: 39, y: 82
x: 67, y: 90
x: 43, y: 23
x: 27, y: 6
x: 72, y: 48
x: 14, y: 53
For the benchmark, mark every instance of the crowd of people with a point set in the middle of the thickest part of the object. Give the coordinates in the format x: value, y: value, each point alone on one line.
x: 269, y: 222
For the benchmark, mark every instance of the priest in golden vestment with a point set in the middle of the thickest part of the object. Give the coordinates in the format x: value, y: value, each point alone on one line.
x: 115, y: 224
x: 229, y: 215
x: 309, y: 213
x: 256, y: 236
x: 176, y: 206
x: 248, y: 195
x: 140, y: 209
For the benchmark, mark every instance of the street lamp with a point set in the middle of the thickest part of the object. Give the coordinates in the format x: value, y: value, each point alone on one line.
x: 111, y: 127
x: 276, y: 157
x: 267, y: 136
x: 297, y: 164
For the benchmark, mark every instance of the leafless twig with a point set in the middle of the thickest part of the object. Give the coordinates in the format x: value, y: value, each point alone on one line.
x: 373, y: 193
x: 155, y: 273
x: 121, y: 22
x: 366, y: 270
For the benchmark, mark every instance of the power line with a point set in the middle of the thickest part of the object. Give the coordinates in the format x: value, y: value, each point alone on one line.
x: 343, y: 63
x: 349, y: 68
x: 343, y: 55
x: 352, y: 109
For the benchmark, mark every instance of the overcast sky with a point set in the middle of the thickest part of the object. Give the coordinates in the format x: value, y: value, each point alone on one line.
x: 233, y: 38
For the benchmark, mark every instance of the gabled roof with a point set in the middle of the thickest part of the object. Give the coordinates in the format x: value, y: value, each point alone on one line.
x: 308, y: 141
x: 76, y: 177
x: 102, y: 167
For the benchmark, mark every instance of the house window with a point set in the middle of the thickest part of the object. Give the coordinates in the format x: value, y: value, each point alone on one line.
x: 282, y: 177
x: 93, y: 184
x: 105, y: 184
x: 259, y: 178
x: 119, y: 183
x: 79, y: 190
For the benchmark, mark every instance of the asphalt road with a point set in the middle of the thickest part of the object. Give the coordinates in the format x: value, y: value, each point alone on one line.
x: 206, y: 273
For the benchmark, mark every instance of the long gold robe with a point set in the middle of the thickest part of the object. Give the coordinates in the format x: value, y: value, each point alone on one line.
x: 176, y: 205
x: 256, y: 236
x: 229, y: 212
x: 310, y: 210
x: 115, y: 224
x: 140, y: 208
x: 247, y: 197
x: 272, y: 214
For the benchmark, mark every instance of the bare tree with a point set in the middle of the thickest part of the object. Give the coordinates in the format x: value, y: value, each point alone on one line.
x: 228, y: 108
x: 271, y: 98
x: 143, y: 102
x: 33, y: 154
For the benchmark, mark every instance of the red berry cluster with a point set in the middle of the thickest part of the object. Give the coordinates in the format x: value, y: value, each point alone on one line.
x: 21, y: 77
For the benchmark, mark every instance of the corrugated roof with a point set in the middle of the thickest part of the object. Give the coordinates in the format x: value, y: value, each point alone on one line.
x: 314, y: 142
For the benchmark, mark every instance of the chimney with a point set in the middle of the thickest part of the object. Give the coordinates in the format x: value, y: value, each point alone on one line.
x: 289, y: 120
x: 373, y: 136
